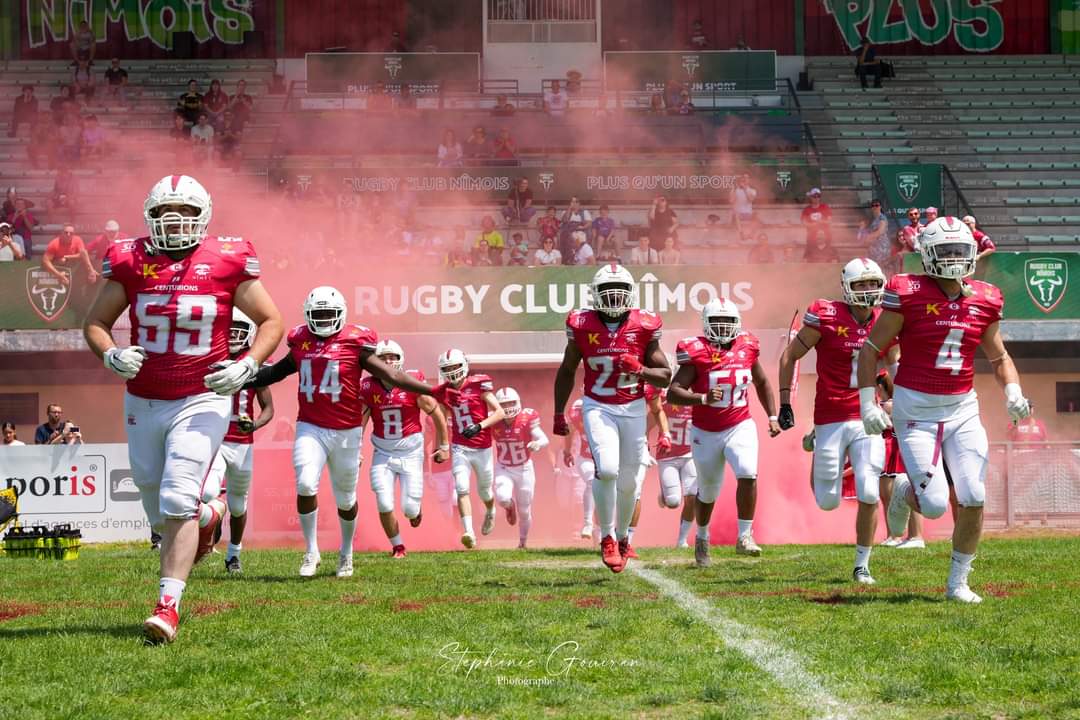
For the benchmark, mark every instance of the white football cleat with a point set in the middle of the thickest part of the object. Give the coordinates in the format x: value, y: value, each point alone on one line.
x: 862, y: 576
x: 344, y: 566
x: 310, y: 564
x: 912, y: 544
x: 745, y: 545
x: 899, y: 511
x: 586, y: 532
x: 962, y: 593
x: 468, y: 540
x: 891, y: 542
x: 682, y: 544
x: 489, y: 522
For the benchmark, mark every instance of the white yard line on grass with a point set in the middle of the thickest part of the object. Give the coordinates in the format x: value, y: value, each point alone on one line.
x: 785, y: 666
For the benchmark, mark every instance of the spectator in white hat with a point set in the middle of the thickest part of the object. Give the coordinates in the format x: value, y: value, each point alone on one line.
x: 10, y: 247
x: 931, y: 214
x: 99, y: 245
x: 986, y: 245
x: 816, y: 217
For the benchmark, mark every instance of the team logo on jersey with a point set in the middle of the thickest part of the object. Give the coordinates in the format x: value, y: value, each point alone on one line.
x: 1046, y: 280
x: 841, y: 331
x: 376, y: 399
x: 150, y: 271
x: 306, y: 345
x: 594, y: 338
x: 908, y: 184
x: 47, y: 294
x: 932, y: 309
x: 202, y: 270
x: 631, y: 338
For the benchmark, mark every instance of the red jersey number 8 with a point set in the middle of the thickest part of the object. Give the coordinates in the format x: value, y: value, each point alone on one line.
x: 731, y: 394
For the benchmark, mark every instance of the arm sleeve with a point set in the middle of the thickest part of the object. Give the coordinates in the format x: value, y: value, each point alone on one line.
x: 539, y: 437
x: 274, y: 373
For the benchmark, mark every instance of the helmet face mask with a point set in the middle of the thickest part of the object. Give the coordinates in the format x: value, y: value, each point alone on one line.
x: 177, y: 212
x: 861, y: 271
x: 721, y: 321
x: 948, y: 249
x: 453, y: 367
x: 613, y: 291
x: 509, y: 401
x: 324, y: 311
x: 391, y: 354
x: 241, y: 332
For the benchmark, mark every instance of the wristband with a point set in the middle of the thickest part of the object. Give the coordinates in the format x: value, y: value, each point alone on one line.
x: 704, y: 399
x: 867, y: 396
x: 773, y: 418
x: 443, y: 447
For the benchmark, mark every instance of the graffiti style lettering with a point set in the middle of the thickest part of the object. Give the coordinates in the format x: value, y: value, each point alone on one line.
x: 976, y: 25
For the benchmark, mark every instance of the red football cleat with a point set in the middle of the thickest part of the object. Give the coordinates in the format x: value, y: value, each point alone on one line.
x: 161, y: 627
x: 206, y: 534
x: 609, y: 551
x: 398, y: 552
x: 627, y: 550
x: 511, y: 513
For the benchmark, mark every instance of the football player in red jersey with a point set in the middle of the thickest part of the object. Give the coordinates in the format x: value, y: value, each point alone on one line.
x: 473, y: 414
x: 330, y: 357
x: 517, y: 437
x: 398, y: 438
x: 655, y: 417
x: 234, y: 459
x: 620, y: 345
x: 579, y: 456
x: 836, y: 330
x: 678, y: 474
x: 940, y: 318
x: 179, y: 286
x: 715, y: 372
x: 894, y: 467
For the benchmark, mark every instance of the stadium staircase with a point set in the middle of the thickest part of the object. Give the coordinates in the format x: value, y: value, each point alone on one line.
x: 1008, y: 128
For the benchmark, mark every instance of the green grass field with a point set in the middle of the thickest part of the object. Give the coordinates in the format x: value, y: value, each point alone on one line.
x: 550, y: 634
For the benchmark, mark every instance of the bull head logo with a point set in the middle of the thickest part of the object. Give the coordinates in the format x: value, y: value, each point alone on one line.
x: 47, y: 294
x: 393, y: 66
x: 1046, y: 280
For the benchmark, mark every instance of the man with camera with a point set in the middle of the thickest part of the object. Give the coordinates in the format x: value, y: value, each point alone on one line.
x: 55, y: 430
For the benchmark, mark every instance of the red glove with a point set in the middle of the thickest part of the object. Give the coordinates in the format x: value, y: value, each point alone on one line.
x: 446, y: 394
x: 629, y: 364
x: 559, y: 425
x: 663, y: 445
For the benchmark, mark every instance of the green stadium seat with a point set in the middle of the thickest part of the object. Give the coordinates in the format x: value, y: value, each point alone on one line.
x: 1053, y: 239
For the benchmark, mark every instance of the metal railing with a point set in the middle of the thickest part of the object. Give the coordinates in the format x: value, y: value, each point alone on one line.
x: 952, y: 197
x: 1033, y: 483
x: 541, y: 10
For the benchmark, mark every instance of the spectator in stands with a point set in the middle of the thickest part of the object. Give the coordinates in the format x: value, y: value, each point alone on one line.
x: 406, y: 101
x: 519, y: 249
x: 396, y: 45
x: 609, y: 255
x: 656, y: 105
x: 378, y: 100
x: 482, y: 254
x: 819, y: 248
x: 41, y: 151
x: 931, y: 215
x: 867, y: 63
x: 493, y: 239
x: 663, y: 221
x: 986, y: 245
x: 873, y: 227
x: 643, y: 254
x: 602, y: 229
x: 761, y: 253
x: 816, y: 216
x: 670, y: 255
x: 505, y: 150
x: 788, y: 254
x: 684, y: 106
x: 556, y: 100
x: 116, y: 79
x: 583, y: 252
x: 25, y: 111
x: 10, y: 248
x: 743, y: 196
x: 95, y: 139
x: 741, y: 44
x: 547, y: 254
x: 83, y: 44
x: 230, y: 135
x: 23, y: 223
x: 672, y: 90
x: 519, y: 203
x: 449, y: 150
x: 215, y: 101
x: 65, y: 193
x: 574, y: 218
x: 478, y: 145
x: 698, y: 39
x: 9, y: 435
x: 202, y: 138
x: 99, y: 245
x: 47, y: 431
x: 67, y: 249
x: 9, y: 202
x: 548, y: 225
x: 190, y: 103
x: 180, y: 135
x: 84, y: 81
x: 502, y: 107
x: 62, y: 103
x: 242, y: 104
x: 70, y: 137
x: 456, y: 259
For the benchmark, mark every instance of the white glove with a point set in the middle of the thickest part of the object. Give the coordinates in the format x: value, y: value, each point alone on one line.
x: 535, y: 446
x: 1017, y: 405
x: 231, y: 375
x: 874, y: 418
x: 127, y: 362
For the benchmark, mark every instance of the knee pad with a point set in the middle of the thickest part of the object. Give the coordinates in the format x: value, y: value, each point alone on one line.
x: 504, y: 491
x: 524, y: 500
x: 933, y: 504
x: 410, y: 506
x: 708, y: 491
x: 971, y: 494
x: 176, y: 505
x: 827, y: 496
x: 151, y: 502
x: 344, y: 482
x: 670, y: 486
x: 237, y: 503
x: 868, y: 488
x: 307, y: 480
x: 211, y: 488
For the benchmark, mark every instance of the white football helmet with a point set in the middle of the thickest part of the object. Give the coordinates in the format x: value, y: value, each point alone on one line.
x: 389, y: 347
x: 241, y: 332
x: 721, y: 321
x: 330, y: 306
x: 171, y: 231
x: 948, y: 249
x: 861, y: 270
x: 453, y: 367
x: 613, y: 290
x: 510, y: 402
